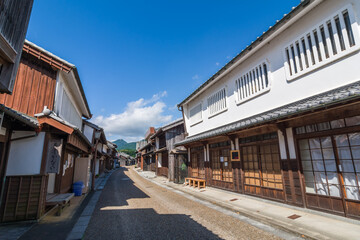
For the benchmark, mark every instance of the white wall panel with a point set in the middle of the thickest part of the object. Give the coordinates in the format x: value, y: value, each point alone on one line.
x: 25, y: 156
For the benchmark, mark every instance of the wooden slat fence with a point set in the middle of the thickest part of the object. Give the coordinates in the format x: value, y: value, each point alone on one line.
x: 24, y: 198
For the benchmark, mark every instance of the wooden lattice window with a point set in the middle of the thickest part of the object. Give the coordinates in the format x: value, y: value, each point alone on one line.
x: 262, y: 165
x: 251, y: 165
x: 227, y: 174
x: 270, y: 166
x: 215, y: 165
x: 221, y: 164
x: 194, y: 165
x: 197, y: 162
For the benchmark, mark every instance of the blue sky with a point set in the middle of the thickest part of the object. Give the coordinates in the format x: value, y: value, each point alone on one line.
x: 138, y: 59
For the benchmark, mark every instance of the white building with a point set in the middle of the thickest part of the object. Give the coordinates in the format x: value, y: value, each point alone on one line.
x: 287, y: 103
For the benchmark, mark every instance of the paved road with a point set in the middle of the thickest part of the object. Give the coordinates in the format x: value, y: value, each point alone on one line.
x: 131, y: 207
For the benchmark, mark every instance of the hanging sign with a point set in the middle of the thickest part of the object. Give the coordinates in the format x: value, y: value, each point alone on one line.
x: 235, y: 155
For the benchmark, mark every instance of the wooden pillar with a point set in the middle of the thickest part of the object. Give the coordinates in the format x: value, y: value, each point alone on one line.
x: 289, y: 168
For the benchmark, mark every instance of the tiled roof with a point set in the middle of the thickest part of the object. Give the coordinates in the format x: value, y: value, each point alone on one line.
x: 24, y: 118
x: 331, y: 97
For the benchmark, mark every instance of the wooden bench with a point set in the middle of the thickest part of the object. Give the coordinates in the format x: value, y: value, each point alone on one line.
x: 61, y: 200
x: 195, y: 182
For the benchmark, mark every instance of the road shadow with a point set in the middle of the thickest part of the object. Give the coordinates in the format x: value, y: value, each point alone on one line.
x: 58, y: 230
x: 115, y: 219
x: 125, y: 189
x: 146, y: 223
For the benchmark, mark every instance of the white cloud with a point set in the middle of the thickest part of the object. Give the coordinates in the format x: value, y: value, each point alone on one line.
x: 173, y: 108
x: 195, y: 77
x: 217, y: 63
x: 138, y: 116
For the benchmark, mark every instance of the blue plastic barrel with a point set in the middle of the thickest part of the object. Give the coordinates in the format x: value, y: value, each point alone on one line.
x: 77, y: 188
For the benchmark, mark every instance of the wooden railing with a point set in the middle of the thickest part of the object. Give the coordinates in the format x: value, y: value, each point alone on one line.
x: 24, y: 198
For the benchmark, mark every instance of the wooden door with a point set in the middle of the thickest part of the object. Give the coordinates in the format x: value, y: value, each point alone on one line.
x: 262, y: 171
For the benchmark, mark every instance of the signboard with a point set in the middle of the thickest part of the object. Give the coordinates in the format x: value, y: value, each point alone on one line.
x: 235, y: 155
x: 53, y: 155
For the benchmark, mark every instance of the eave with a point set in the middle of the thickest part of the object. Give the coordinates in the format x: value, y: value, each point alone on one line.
x: 56, y: 124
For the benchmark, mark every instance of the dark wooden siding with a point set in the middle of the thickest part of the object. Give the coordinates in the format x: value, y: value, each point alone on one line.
x: 292, y: 185
x: 34, y: 87
x: 163, y: 170
x: 173, y: 135
x: 14, y: 19
x: 68, y: 177
x: 24, y: 198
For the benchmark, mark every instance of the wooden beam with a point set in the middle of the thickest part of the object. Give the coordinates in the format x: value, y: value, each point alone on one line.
x: 52, y: 122
x: 46, y: 58
x: 267, y: 128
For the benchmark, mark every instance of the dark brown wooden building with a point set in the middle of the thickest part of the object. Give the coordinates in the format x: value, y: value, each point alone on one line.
x: 44, y: 156
x: 167, y: 164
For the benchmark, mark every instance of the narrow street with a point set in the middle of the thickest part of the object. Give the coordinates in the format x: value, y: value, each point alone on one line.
x: 131, y: 207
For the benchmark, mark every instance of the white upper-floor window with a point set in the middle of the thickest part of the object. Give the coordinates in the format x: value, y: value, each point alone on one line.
x: 217, y: 102
x: 327, y: 41
x: 195, y: 114
x: 252, y: 83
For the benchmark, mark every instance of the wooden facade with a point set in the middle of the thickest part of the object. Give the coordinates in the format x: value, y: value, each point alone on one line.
x: 34, y: 87
x: 324, y: 174
x: 165, y: 139
x: 163, y: 170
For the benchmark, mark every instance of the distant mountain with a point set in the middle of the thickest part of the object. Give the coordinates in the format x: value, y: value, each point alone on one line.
x: 122, y: 144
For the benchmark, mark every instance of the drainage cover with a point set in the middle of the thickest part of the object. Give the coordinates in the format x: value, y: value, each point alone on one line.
x: 294, y: 216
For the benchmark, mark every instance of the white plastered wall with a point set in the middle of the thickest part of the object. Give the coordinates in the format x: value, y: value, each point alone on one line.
x: 88, y: 132
x: 282, y: 91
x: 25, y: 156
x: 65, y: 105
